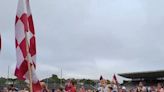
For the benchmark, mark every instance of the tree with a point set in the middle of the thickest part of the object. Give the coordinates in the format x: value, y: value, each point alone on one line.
x: 2, y: 81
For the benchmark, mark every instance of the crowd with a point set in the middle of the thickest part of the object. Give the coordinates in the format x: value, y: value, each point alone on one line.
x: 142, y: 88
x: 103, y: 86
x: 138, y: 88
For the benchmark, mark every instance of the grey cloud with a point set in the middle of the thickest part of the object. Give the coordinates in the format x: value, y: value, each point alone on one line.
x: 88, y: 38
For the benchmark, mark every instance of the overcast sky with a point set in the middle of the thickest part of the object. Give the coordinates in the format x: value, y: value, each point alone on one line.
x: 89, y: 38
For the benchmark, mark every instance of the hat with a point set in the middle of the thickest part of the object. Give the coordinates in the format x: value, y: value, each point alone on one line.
x: 124, y: 87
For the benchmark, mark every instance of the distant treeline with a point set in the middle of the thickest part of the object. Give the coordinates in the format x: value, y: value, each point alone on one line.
x: 54, y: 80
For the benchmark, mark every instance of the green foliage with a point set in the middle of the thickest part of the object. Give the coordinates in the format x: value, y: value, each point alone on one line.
x: 89, y: 82
x: 74, y: 81
x: 2, y: 81
x: 20, y: 82
x: 53, y: 79
x: 54, y: 76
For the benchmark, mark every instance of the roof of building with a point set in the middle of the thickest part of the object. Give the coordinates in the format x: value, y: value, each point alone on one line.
x: 144, y: 75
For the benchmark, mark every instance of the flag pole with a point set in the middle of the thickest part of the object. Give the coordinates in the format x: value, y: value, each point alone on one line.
x: 28, y: 61
x: 117, y: 87
x: 61, y: 78
x: 8, y: 71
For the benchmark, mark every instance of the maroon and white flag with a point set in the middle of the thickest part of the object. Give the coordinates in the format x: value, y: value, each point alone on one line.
x: 114, y: 80
x: 25, y: 39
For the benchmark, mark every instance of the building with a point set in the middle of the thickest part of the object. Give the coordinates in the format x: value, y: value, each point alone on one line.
x: 149, y: 78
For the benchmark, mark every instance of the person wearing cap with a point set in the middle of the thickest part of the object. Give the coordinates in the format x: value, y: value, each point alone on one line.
x: 123, y: 89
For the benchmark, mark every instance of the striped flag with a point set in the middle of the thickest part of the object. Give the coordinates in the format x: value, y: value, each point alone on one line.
x: 114, y: 80
x: 25, y: 44
x: 101, y: 78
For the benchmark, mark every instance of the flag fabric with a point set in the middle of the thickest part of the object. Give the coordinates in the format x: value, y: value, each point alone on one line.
x: 114, y: 80
x: 101, y: 78
x: 25, y: 44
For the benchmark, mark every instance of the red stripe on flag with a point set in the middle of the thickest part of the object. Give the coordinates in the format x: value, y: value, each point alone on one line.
x: 16, y: 43
x: 22, y: 46
x: 32, y: 46
x: 115, y: 79
x: 31, y: 25
x: 16, y: 19
x: 21, y: 71
x: 24, y: 20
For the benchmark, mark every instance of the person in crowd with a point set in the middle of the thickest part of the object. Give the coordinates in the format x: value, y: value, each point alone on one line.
x: 5, y: 89
x: 73, y: 87
x: 44, y: 87
x: 25, y: 90
x: 53, y: 90
x: 123, y: 89
x: 115, y: 89
x: 11, y: 88
x: 132, y: 90
x: 82, y: 89
x: 159, y: 88
x: 151, y: 88
x: 59, y: 90
x: 102, y: 85
x: 108, y: 88
x: 70, y: 86
x: 141, y: 88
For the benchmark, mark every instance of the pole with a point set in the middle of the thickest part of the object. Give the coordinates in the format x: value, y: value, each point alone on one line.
x: 28, y: 59
x: 61, y: 78
x: 117, y: 87
x: 8, y: 75
x: 47, y: 83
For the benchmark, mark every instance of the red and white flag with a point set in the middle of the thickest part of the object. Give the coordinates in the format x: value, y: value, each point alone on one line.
x: 114, y: 80
x: 25, y: 44
x: 101, y: 78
